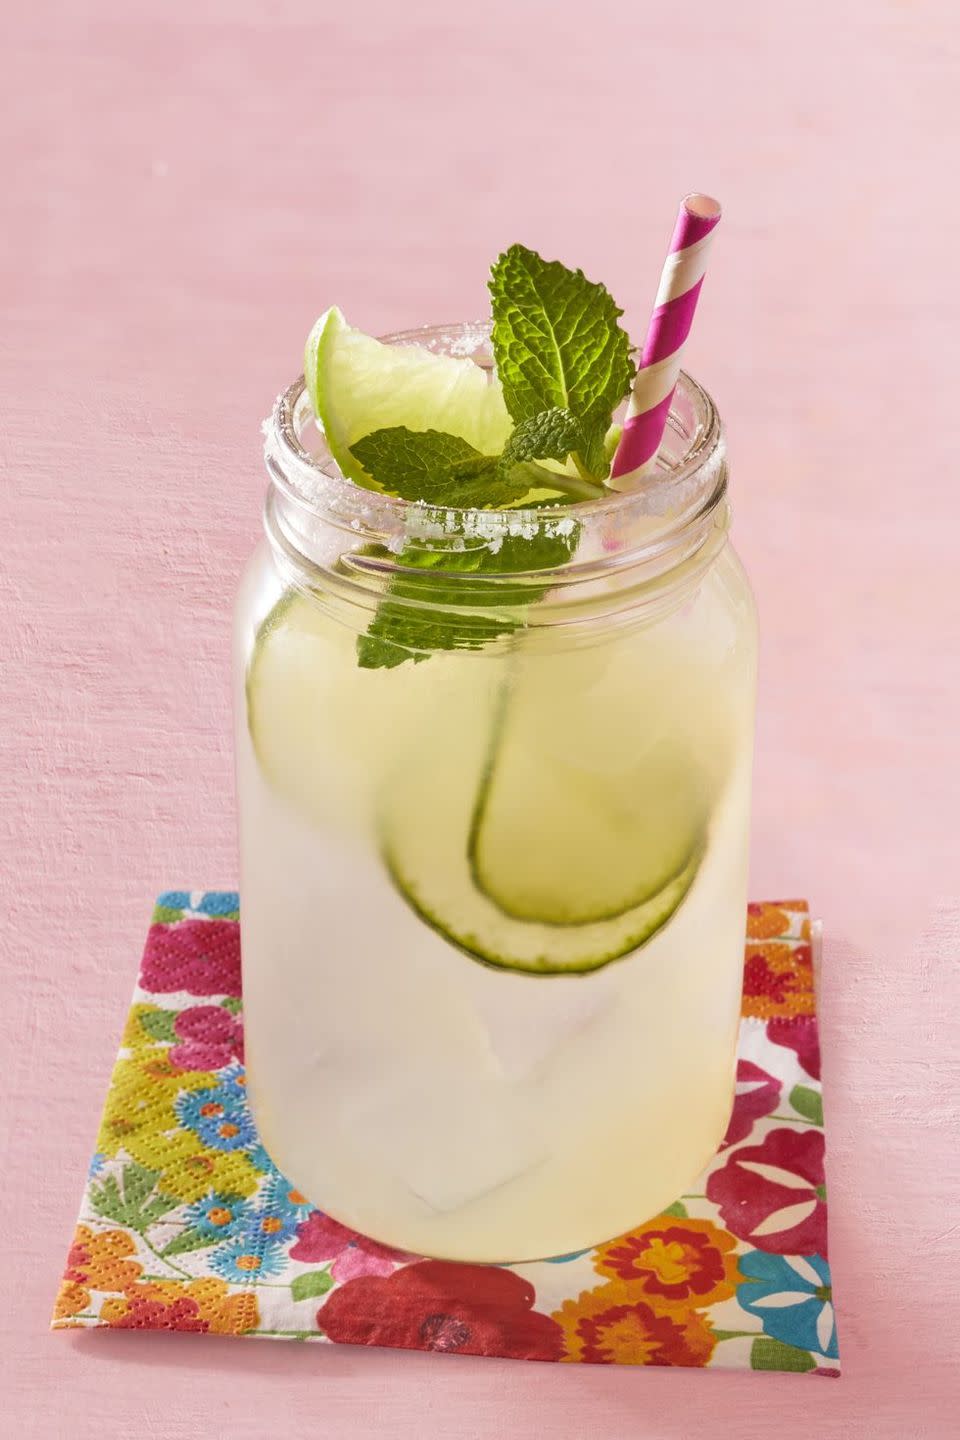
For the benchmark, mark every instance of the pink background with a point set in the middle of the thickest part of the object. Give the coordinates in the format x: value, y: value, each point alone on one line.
x: 185, y: 186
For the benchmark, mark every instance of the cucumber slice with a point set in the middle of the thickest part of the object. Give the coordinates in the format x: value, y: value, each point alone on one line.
x: 566, y: 833
x: 448, y: 803
x: 433, y: 876
x: 425, y: 828
x: 287, y: 694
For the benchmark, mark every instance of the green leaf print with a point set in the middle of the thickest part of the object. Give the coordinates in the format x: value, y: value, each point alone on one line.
x: 158, y: 1024
x: 808, y: 1103
x: 187, y: 1240
x: 128, y: 1202
x: 769, y: 1354
x: 163, y: 915
x: 314, y: 1283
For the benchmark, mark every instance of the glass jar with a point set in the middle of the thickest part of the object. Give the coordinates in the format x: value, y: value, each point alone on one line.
x: 494, y: 780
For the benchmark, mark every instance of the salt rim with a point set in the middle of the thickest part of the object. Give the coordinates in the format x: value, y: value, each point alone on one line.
x: 684, y: 494
x: 324, y: 494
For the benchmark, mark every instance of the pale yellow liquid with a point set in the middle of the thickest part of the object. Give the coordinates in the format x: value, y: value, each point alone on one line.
x: 417, y: 1095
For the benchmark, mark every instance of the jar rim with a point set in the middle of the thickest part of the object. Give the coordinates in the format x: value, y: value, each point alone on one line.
x: 682, y: 492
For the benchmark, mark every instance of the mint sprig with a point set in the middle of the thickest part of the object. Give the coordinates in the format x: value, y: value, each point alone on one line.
x: 557, y: 345
x: 550, y: 435
x: 434, y: 468
x: 437, y: 469
x: 564, y: 365
x: 445, y: 595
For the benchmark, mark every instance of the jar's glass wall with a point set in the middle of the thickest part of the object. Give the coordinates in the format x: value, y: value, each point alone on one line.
x: 425, y: 845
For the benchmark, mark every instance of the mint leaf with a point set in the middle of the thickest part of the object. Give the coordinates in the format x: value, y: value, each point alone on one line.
x: 437, y: 469
x: 549, y: 435
x: 401, y: 632
x: 557, y: 345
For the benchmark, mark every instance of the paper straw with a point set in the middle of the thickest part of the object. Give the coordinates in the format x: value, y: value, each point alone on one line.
x: 670, y: 323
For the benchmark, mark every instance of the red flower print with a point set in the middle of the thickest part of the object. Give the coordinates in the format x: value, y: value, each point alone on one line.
x: 773, y: 1194
x: 204, y: 1305
x: 777, y: 980
x: 617, y: 1324
x: 685, y: 1261
x: 319, y: 1237
x: 800, y: 1035
x: 139, y: 1313
x: 199, y: 956
x: 439, y: 1305
x: 209, y: 1037
x: 756, y: 1095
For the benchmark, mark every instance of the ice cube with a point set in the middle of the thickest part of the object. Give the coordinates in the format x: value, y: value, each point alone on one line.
x: 450, y: 1141
x: 529, y: 1023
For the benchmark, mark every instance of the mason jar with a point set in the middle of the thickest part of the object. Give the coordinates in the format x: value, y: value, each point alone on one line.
x: 494, y: 783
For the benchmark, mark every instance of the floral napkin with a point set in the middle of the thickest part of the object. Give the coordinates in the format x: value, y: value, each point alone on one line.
x: 186, y: 1224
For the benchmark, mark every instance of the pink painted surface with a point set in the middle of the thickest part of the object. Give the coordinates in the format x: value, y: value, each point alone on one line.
x: 184, y: 187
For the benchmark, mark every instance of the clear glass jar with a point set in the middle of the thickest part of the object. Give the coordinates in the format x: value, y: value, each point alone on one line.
x: 493, y: 886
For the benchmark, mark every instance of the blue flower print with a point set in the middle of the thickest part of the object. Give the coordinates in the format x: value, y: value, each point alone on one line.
x: 217, y: 903
x: 233, y: 1083
x: 222, y: 1216
x: 284, y: 1196
x: 245, y: 1261
x: 792, y: 1298
x: 271, y: 1225
x: 218, y: 1117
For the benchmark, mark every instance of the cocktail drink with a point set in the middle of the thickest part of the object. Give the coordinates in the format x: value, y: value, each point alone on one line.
x: 494, y: 775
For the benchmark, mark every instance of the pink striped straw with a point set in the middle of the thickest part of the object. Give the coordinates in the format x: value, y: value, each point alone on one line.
x: 680, y: 283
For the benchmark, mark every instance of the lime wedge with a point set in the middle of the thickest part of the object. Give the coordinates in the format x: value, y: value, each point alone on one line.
x: 358, y: 384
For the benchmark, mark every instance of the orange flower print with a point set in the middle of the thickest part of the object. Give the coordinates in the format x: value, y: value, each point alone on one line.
x: 95, y: 1261
x: 777, y: 980
x: 101, y: 1261
x: 205, y: 1306
x: 71, y: 1299
x: 674, y: 1262
x: 225, y: 1314
x: 765, y: 921
x: 617, y: 1324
